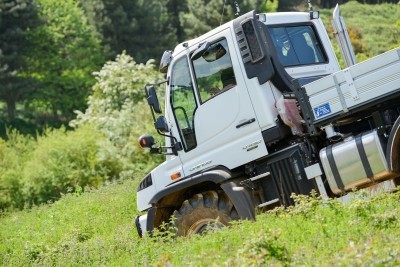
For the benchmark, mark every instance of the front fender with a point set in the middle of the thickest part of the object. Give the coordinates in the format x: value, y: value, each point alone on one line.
x: 213, y: 176
x: 171, y: 197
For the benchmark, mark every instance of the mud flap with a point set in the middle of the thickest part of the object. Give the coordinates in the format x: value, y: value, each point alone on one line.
x: 241, y: 199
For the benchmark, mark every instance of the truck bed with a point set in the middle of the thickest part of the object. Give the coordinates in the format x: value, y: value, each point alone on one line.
x: 361, y: 85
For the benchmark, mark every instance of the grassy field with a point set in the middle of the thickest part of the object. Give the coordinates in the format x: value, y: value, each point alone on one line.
x: 96, y: 228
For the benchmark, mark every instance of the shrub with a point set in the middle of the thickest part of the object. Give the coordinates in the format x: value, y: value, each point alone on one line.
x: 117, y: 109
x: 63, y: 161
x: 13, y: 155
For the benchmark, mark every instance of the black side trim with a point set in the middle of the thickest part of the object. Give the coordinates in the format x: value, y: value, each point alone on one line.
x: 363, y: 156
x: 275, y: 134
x: 335, y: 170
x: 305, y: 106
x: 281, y: 80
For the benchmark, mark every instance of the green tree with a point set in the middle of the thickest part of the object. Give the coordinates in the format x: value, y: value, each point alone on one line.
x: 205, y: 15
x: 17, y: 19
x: 142, y: 28
x: 65, y: 54
x: 175, y: 7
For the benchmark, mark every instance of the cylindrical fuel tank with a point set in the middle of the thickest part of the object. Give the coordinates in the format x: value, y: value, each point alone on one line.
x: 355, y: 162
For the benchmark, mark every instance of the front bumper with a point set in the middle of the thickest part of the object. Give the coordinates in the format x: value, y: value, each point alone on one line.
x: 144, y: 223
x: 141, y: 224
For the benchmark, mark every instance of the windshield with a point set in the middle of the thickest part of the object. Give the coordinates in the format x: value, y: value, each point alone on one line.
x: 297, y: 45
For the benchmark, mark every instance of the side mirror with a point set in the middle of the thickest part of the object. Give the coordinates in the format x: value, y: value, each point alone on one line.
x: 214, y: 52
x: 200, y: 51
x: 161, y: 124
x: 146, y: 141
x: 152, y: 100
x: 165, y: 61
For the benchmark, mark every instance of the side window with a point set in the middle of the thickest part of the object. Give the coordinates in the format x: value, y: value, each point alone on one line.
x: 297, y: 45
x: 214, y: 71
x: 183, y: 102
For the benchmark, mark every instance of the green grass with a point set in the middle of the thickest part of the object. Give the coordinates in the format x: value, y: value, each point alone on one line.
x: 96, y: 228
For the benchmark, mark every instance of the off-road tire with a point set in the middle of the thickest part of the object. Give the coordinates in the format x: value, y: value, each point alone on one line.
x: 204, y: 211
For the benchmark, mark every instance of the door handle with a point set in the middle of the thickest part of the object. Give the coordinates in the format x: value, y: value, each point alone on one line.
x: 245, y: 123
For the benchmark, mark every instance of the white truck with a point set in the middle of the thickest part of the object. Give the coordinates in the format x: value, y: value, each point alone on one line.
x: 258, y: 109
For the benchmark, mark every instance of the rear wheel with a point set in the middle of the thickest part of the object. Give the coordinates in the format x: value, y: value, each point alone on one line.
x: 203, y: 212
x: 393, y: 150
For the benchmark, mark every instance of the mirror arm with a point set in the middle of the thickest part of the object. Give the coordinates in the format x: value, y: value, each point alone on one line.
x: 176, y: 146
x: 159, y: 150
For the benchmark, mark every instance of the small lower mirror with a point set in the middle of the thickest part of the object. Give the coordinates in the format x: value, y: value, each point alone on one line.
x: 161, y: 124
x: 146, y: 141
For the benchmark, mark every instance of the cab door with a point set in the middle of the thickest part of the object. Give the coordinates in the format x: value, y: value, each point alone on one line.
x: 212, y: 110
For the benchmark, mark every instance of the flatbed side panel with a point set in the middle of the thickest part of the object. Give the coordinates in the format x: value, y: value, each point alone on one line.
x: 343, y: 91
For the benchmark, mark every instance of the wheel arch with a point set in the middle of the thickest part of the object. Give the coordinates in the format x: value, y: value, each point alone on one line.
x: 171, y: 198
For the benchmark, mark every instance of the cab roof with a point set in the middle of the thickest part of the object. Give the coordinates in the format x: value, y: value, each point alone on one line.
x: 266, y: 18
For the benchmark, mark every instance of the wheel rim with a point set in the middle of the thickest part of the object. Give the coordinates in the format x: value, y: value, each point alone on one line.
x: 205, y: 225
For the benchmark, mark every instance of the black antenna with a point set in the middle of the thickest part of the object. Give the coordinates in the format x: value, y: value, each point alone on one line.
x: 310, y: 8
x: 237, y: 9
x: 313, y: 14
x: 222, y: 15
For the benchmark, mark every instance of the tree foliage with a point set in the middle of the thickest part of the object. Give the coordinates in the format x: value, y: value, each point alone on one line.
x: 142, y: 28
x: 17, y: 19
x: 117, y: 109
x: 65, y: 55
x: 204, y: 15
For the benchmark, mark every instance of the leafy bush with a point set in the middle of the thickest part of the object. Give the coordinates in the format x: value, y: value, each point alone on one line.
x: 37, y: 171
x: 63, y: 161
x: 117, y: 109
x: 13, y: 156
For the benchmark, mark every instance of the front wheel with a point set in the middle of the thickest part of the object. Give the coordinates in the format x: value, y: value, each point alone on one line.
x: 204, y: 211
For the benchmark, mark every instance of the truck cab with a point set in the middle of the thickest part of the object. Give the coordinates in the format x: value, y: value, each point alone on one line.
x: 229, y: 107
